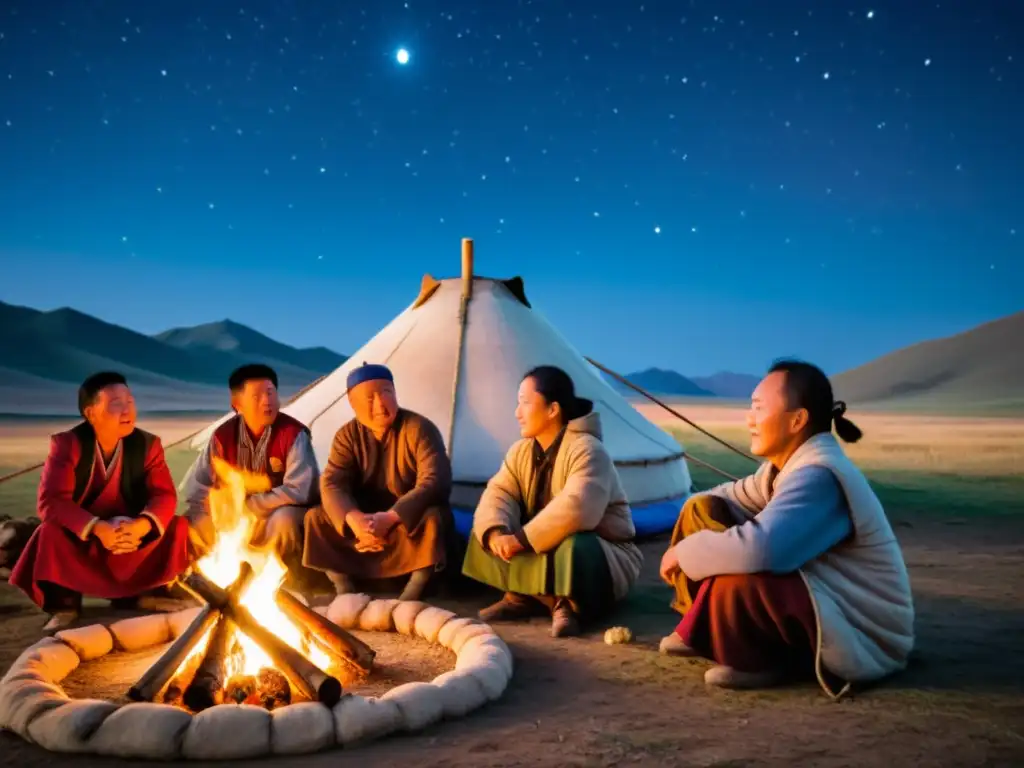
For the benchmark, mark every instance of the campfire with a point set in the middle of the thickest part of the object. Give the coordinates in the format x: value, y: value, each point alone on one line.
x: 252, y: 642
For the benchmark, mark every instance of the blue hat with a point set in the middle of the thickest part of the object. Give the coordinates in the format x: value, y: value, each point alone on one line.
x: 368, y: 372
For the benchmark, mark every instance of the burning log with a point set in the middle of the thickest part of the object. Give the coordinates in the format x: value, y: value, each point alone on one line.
x: 269, y: 689
x: 174, y: 693
x: 335, y: 640
x: 157, y: 676
x: 207, y: 687
x: 241, y: 688
x: 273, y: 688
x: 310, y: 681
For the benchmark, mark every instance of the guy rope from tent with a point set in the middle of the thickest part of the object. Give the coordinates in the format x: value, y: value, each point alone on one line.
x: 671, y: 410
x: 467, y: 294
x: 175, y: 444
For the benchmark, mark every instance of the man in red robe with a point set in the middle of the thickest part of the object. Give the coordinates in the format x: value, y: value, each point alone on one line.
x: 260, y: 440
x: 107, y: 504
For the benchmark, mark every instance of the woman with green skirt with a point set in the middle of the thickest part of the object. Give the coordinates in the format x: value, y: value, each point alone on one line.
x: 553, y: 529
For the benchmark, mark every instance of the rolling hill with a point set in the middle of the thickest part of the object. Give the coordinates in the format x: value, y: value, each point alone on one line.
x: 735, y: 386
x: 975, y: 369
x: 45, y: 355
x: 659, y: 381
x: 229, y: 336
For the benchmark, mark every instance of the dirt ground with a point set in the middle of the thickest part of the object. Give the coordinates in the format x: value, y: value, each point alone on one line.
x: 579, y: 702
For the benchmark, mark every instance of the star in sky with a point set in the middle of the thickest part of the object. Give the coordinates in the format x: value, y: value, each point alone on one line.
x: 757, y: 140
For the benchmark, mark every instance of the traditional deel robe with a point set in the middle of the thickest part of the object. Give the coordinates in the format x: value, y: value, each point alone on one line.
x: 860, y: 587
x: 284, y: 453
x: 78, y: 489
x: 407, y: 471
x: 568, y: 507
x: 762, y: 621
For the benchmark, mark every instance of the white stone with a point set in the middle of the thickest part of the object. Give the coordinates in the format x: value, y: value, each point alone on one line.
x: 429, y: 622
x: 180, y: 620
x: 461, y: 693
x: 301, y: 728
x: 492, y: 678
x: 34, y: 706
x: 463, y: 634
x: 421, y: 704
x: 48, y: 660
x: 68, y: 727
x: 344, y: 610
x: 359, y: 719
x: 21, y: 701
x: 227, y: 732
x: 450, y: 628
x: 142, y: 730
x: 405, y: 614
x: 89, y: 642
x: 491, y: 646
x: 141, y: 632
x: 377, y: 616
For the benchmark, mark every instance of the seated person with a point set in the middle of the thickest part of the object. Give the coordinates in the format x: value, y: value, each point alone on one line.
x: 553, y: 529
x: 261, y: 440
x: 794, y: 568
x: 384, y: 493
x: 107, y: 504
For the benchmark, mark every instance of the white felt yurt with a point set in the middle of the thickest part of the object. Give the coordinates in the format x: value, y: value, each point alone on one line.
x: 458, y: 354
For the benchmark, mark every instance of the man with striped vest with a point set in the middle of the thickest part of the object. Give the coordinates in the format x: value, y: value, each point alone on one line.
x: 262, y: 441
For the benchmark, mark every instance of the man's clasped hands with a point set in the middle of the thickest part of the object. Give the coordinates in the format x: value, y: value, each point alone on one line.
x: 371, y: 530
x: 122, y: 535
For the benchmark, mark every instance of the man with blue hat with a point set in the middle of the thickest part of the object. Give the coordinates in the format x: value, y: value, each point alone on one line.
x: 384, y: 493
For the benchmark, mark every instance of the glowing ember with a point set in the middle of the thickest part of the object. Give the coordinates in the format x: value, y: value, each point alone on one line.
x: 233, y: 523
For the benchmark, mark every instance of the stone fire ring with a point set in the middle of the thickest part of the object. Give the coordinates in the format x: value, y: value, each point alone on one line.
x: 33, y: 704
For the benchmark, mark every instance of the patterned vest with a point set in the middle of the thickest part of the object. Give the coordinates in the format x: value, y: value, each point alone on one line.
x: 284, y: 431
x: 134, y: 450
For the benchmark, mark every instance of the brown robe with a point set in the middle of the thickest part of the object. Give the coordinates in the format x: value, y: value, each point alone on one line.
x: 407, y: 471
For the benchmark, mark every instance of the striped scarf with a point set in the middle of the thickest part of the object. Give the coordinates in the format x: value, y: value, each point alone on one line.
x: 253, y: 458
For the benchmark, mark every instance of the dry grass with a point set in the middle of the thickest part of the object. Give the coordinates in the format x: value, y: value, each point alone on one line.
x: 959, y: 703
x: 960, y: 466
x: 24, y: 441
x: 946, y: 466
x: 892, y: 441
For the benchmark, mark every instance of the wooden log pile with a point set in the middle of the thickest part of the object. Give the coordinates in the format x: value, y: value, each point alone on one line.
x: 205, y: 680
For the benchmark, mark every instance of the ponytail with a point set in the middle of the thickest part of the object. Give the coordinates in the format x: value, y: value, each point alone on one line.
x: 848, y: 431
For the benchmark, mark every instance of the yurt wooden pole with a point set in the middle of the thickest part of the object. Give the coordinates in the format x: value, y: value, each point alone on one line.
x: 467, y: 268
x: 671, y: 410
x: 467, y: 294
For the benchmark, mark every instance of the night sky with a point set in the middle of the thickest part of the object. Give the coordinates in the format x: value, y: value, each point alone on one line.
x: 694, y: 185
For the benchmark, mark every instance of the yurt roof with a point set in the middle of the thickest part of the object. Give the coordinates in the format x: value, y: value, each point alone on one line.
x: 458, y: 354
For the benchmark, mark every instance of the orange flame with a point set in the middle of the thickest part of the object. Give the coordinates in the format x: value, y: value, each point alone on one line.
x: 234, y: 523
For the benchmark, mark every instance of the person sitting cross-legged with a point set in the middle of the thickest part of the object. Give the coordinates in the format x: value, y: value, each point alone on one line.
x: 794, y: 569
x: 385, y: 489
x: 553, y: 529
x: 107, y: 504
x: 263, y: 442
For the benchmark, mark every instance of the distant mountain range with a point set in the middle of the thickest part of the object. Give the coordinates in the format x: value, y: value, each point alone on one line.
x: 45, y: 355
x: 659, y: 381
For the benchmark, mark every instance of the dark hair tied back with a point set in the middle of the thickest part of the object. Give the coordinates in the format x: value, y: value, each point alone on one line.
x: 848, y: 431
x: 556, y: 386
x: 808, y: 387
